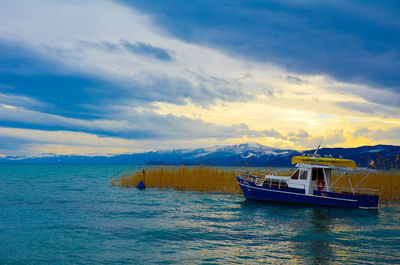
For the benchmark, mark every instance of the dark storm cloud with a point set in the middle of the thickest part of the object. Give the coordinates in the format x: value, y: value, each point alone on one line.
x: 61, y: 91
x: 39, y: 94
x: 352, y: 41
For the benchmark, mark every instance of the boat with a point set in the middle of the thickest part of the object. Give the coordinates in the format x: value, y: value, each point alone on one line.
x: 310, y: 184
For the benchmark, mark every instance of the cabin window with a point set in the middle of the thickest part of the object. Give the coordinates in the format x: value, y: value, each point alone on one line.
x: 295, y: 175
x: 267, y: 183
x: 303, y: 174
x: 275, y: 184
x: 317, y: 174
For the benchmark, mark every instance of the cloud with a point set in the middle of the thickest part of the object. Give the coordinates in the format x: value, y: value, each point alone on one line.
x: 146, y: 124
x: 37, y: 142
x: 74, y: 93
x: 9, y: 143
x: 72, y: 64
x: 19, y: 58
x: 75, y: 81
x: 13, y: 100
x: 147, y: 50
x: 25, y: 118
x: 128, y: 123
x: 273, y: 133
x: 371, y: 108
x: 349, y: 41
x: 384, y: 101
x: 389, y: 135
x: 106, y: 46
x: 362, y: 132
x: 303, y: 138
x: 299, y: 134
x: 149, y: 75
x: 294, y: 79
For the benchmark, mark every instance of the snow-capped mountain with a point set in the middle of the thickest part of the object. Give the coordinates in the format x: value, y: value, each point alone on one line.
x: 240, y: 154
x: 251, y: 154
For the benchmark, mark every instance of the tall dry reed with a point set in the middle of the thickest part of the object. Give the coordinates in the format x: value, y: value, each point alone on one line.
x: 196, y: 178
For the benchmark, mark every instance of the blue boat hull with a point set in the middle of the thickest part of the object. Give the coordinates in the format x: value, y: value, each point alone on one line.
x: 297, y: 196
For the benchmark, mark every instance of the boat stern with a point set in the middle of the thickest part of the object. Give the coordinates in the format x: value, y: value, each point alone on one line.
x: 367, y: 201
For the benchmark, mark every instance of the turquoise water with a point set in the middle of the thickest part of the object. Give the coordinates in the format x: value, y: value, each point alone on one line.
x: 69, y: 214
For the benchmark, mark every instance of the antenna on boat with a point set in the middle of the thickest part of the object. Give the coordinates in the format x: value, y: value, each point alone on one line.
x: 316, y: 150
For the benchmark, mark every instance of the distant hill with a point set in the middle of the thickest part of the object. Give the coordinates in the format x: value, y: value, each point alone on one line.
x: 248, y: 154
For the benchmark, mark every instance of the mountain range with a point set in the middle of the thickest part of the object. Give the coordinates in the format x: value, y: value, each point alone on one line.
x: 248, y: 154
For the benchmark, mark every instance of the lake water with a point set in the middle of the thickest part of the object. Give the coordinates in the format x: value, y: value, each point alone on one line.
x: 69, y: 214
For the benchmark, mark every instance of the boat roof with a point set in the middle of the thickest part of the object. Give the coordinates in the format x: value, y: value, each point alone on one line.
x: 327, y: 161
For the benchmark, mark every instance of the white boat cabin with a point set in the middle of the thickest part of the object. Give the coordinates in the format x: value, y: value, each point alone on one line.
x: 307, y: 177
x: 311, y: 177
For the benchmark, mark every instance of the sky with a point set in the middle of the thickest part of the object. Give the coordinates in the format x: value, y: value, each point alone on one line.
x: 110, y: 77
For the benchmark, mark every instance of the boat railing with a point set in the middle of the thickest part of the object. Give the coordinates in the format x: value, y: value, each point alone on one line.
x: 349, y: 190
x: 274, y: 183
x: 261, y: 180
x: 251, y: 176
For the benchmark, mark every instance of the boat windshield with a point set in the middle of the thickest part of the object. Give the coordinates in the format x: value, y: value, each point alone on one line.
x: 299, y: 174
x: 295, y: 175
x: 303, y: 174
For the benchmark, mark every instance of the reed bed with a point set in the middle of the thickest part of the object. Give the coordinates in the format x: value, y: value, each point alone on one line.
x: 222, y: 179
x: 196, y: 178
